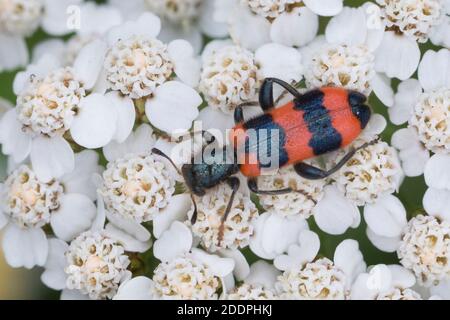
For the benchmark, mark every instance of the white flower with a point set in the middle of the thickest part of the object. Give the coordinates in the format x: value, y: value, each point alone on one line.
x: 96, y: 265
x: 405, y: 23
x: 52, y: 103
x: 252, y: 23
x: 21, y: 18
x: 259, y: 283
x: 29, y: 204
x: 304, y: 278
x: 133, y: 61
x: 350, y: 37
x: 382, y: 282
x: 425, y: 249
x: 232, y: 75
x: 426, y: 111
x: 139, y: 187
x: 371, y: 173
x: 184, y: 272
x: 351, y: 67
x: 236, y: 229
x: 229, y: 77
x: 307, y: 193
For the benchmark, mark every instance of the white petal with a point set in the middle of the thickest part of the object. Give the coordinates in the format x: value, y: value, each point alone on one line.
x: 138, y: 142
x: 263, y: 273
x: 55, y: 47
x: 436, y: 202
x: 187, y: 65
x: 386, y: 217
x: 437, y: 172
x: 220, y: 267
x: 54, y: 276
x: 334, y: 214
x: 191, y: 34
x: 349, y: 259
x: 56, y: 16
x: 381, y: 86
x: 397, y: 56
x: 296, y: 28
x: 92, y: 14
x: 401, y: 277
x: 3, y: 219
x: 406, y: 98
x: 411, y: 151
x: 51, y: 157
x: 348, y: 27
x: 360, y: 289
x: 440, y: 34
x: 40, y: 69
x: 173, y: 107
x: 380, y: 278
x: 15, y: 142
x: 213, y: 46
x: 75, y: 215
x: 126, y: 114
x: 130, y: 226
x: 241, y: 267
x: 95, y: 124
x: 173, y: 242
x: 383, y: 243
x: 216, y: 120
x: 325, y: 7
x: 442, y: 290
x: 278, y: 61
x: 247, y: 29
x: 129, y: 243
x: 376, y: 126
x: 67, y: 294
x: 139, y: 288
x: 24, y: 247
x: 258, y: 236
x: 286, y: 231
x: 89, y: 63
x: 148, y: 25
x: 207, y: 23
x: 298, y: 255
x: 80, y: 179
x: 13, y: 52
x: 177, y: 210
x: 434, y: 69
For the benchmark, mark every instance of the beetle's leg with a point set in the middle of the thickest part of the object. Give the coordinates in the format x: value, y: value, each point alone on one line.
x: 239, y: 113
x: 266, y: 93
x: 313, y: 173
x: 253, y: 186
x: 234, y: 184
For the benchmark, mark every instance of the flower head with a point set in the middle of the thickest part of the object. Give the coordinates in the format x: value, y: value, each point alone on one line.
x: 229, y: 77
x: 236, y: 229
x: 136, y: 187
x: 96, y: 265
x: 425, y: 249
x: 20, y: 17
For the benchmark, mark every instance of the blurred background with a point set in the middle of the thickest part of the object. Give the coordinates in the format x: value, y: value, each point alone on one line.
x: 25, y: 284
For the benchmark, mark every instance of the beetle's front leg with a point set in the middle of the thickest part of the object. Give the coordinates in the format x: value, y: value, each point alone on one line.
x: 313, y: 173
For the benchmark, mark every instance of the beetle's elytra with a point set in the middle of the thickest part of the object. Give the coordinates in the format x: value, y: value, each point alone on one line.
x: 312, y: 124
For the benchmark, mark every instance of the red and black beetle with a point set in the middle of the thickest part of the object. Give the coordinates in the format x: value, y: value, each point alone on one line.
x: 312, y: 124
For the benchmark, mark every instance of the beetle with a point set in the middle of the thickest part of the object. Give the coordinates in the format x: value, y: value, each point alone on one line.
x: 314, y: 123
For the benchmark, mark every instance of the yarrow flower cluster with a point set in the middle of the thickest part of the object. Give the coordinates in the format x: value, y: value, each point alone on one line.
x: 117, y: 108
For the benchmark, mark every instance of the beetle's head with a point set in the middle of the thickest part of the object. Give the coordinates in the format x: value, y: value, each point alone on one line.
x: 359, y: 107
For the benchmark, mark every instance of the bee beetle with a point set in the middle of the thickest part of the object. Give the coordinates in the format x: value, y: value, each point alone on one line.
x: 310, y: 125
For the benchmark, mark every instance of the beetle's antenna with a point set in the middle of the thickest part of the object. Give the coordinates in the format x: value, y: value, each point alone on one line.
x: 162, y: 154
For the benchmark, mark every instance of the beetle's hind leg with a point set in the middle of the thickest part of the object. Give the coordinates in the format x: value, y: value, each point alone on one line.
x: 313, y: 173
x: 266, y: 93
x: 234, y: 184
x: 253, y: 186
